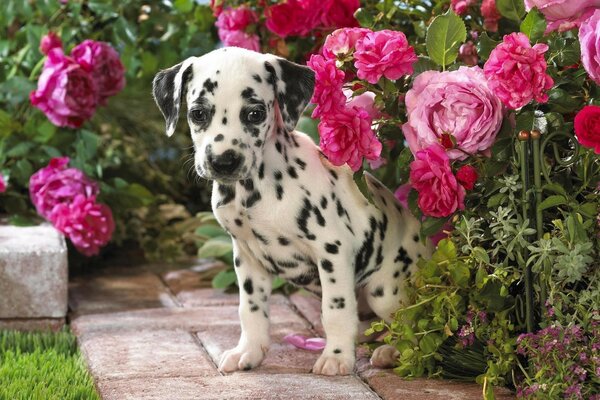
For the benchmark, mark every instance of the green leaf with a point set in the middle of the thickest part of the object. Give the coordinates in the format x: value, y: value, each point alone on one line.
x: 552, y: 201
x: 215, y: 247
x: 224, y: 279
x: 444, y: 36
x: 210, y: 231
x: 423, y: 64
x: 431, y: 225
x: 277, y: 283
x: 184, y: 6
x: 485, y: 46
x: 534, y: 25
x: 140, y: 192
x: 555, y: 187
x: 460, y: 274
x: 496, y: 200
x: 511, y: 9
x: 481, y: 255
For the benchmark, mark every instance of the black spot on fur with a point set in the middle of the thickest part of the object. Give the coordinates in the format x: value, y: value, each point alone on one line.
x: 254, y: 308
x: 287, y: 264
x: 234, y: 142
x: 258, y: 143
x: 323, y: 202
x: 365, y: 252
x: 224, y: 121
x: 278, y: 147
x: 236, y: 261
x: 248, y: 184
x: 395, y: 290
x: 227, y: 194
x: 219, y: 137
x: 238, y: 222
x: 260, y: 237
x: 283, y: 241
x: 397, y: 274
x: 210, y: 86
x: 333, y: 174
x: 319, y: 216
x: 378, y: 292
x: 279, y: 191
x: 300, y: 163
x: 261, y: 171
x: 327, y: 265
x: 252, y: 199
x: 416, y: 238
x: 331, y: 248
x: 302, y: 219
x: 337, y: 351
x: 248, y: 93
x: 248, y: 287
x: 292, y: 172
x: 338, y: 302
x: 257, y: 78
x: 277, y: 175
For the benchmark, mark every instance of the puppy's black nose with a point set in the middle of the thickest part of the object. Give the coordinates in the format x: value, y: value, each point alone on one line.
x: 225, y: 163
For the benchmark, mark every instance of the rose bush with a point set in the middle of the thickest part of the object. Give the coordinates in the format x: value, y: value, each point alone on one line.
x: 589, y: 37
x: 587, y: 127
x: 563, y: 15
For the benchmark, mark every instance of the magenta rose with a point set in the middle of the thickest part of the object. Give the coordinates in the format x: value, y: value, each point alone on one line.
x: 339, y: 13
x: 49, y: 42
x: 587, y: 127
x: 66, y: 91
x: 343, y: 40
x: 87, y: 224
x: 328, y: 94
x: 589, y: 39
x: 243, y: 40
x: 460, y: 6
x: 490, y: 14
x: 563, y: 15
x: 440, y: 195
x: 467, y: 176
x: 2, y: 184
x: 294, y: 17
x: 383, y: 53
x: 56, y: 184
x: 105, y: 66
x: 457, y: 103
x: 347, y: 137
x: 516, y: 72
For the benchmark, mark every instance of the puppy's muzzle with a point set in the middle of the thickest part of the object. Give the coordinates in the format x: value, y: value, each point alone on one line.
x: 225, y: 164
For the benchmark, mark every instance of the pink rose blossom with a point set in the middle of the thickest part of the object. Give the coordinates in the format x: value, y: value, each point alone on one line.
x: 328, y: 94
x: 364, y: 100
x: 305, y: 343
x: 383, y: 53
x: 343, y: 40
x: 490, y: 14
x: 56, y: 184
x: 87, y: 224
x: 346, y: 137
x: 294, y: 17
x: 440, y: 195
x: 2, y: 184
x: 468, y: 53
x: 231, y: 25
x: 105, y: 66
x: 467, y: 176
x: 563, y: 15
x: 49, y: 42
x: 66, y: 91
x: 402, y: 194
x: 460, y: 6
x: 243, y: 40
x: 516, y: 72
x: 339, y: 13
x: 457, y: 103
x: 589, y: 39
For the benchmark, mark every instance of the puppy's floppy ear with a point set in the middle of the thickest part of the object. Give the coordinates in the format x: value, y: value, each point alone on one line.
x: 169, y: 87
x: 294, y: 85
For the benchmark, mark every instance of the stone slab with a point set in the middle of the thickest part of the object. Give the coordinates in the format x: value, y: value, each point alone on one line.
x: 145, y: 354
x: 282, y: 357
x: 33, y: 272
x: 32, y: 324
x: 309, y: 306
x: 118, y: 291
x: 239, y: 386
x: 188, y: 319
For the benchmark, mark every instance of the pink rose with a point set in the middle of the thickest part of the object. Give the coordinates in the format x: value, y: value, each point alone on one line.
x: 328, y: 94
x: 243, y: 40
x: 457, y: 103
x: 339, y: 13
x: 49, y: 42
x: 234, y: 19
x: 440, y: 195
x: 460, y: 6
x: 56, y: 184
x: 87, y: 224
x: 467, y: 176
x: 2, y: 184
x: 468, y: 53
x: 516, y: 72
x: 346, y: 137
x: 383, y: 53
x: 589, y: 39
x: 342, y: 41
x: 490, y: 14
x: 587, y: 128
x: 402, y: 193
x: 563, y: 15
x: 294, y: 17
x: 66, y: 91
x: 364, y: 100
x: 105, y: 66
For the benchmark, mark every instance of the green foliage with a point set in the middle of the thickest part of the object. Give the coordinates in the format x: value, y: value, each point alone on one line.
x: 534, y: 25
x: 40, y: 366
x: 444, y: 36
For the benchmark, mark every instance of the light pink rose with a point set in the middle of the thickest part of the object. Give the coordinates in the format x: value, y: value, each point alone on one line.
x: 457, y: 103
x: 243, y: 40
x: 339, y: 13
x: 56, y: 184
x: 589, y: 39
x: 347, y: 137
x: 2, y: 184
x: 468, y: 53
x: 235, y: 19
x: 440, y: 195
x: 328, y: 95
x: 105, y: 66
x: 364, y: 100
x: 490, y: 14
x: 49, y: 42
x: 89, y: 225
x: 383, y: 53
x: 516, y: 72
x: 66, y: 91
x: 343, y: 40
x: 563, y: 15
x: 460, y: 6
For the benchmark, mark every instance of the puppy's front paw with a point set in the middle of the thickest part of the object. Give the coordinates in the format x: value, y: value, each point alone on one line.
x: 242, y: 358
x: 334, y: 364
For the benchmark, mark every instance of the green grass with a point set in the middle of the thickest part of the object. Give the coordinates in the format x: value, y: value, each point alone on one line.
x: 43, y: 366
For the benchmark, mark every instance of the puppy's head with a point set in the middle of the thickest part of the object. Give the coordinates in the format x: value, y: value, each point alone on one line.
x: 236, y: 99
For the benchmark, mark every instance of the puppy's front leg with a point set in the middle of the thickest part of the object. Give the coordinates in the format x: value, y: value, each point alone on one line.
x: 340, y: 319
x: 255, y: 290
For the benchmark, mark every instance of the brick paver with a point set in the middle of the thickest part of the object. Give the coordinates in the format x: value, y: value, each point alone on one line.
x: 154, y: 333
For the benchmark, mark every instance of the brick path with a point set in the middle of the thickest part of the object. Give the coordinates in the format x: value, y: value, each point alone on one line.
x: 157, y: 332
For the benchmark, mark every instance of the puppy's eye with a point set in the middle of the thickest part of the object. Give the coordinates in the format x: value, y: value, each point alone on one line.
x: 199, y: 115
x: 256, y: 115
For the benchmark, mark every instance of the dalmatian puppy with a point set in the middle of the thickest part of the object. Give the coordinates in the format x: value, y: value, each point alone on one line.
x: 289, y: 211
